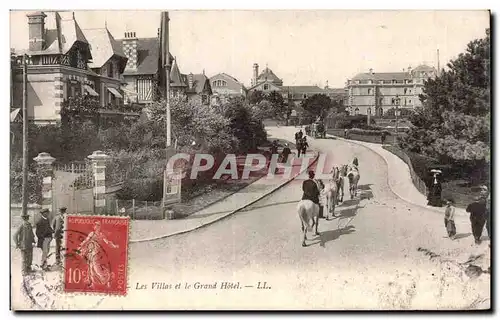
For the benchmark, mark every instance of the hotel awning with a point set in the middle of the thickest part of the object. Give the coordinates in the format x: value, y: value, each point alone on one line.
x: 90, y: 90
x: 15, y: 115
x: 115, y: 92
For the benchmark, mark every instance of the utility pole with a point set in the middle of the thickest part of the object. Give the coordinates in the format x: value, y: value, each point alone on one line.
x: 397, y: 100
x: 166, y: 65
x: 25, y: 60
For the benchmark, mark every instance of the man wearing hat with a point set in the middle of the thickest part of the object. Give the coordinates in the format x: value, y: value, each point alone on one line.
x: 24, y: 240
x: 44, y: 234
x: 58, y: 226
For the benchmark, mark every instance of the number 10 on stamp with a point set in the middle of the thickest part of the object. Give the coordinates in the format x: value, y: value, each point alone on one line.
x: 96, y: 260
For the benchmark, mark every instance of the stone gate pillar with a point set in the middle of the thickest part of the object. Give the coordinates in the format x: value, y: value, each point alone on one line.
x: 45, y: 168
x: 99, y: 160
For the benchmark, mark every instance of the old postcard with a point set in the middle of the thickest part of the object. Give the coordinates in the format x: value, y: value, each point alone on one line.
x: 250, y: 160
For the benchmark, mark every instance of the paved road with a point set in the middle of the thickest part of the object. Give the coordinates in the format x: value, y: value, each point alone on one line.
x: 366, y: 259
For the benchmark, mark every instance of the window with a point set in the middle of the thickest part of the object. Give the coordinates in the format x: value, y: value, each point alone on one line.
x: 369, y: 91
x: 305, y: 96
x: 370, y: 81
x: 393, y: 101
x: 204, y: 99
x: 356, y: 111
x: 409, y: 101
x: 406, y: 91
x: 393, y: 81
x: 381, y: 82
x: 266, y: 87
x: 110, y: 70
x: 381, y: 101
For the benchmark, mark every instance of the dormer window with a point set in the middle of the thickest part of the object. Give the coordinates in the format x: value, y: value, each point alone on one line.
x: 370, y: 90
x: 305, y: 96
x: 266, y: 87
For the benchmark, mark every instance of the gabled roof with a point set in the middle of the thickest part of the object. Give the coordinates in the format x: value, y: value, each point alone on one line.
x: 266, y: 82
x: 424, y: 67
x: 199, y: 82
x: 268, y: 74
x: 176, y: 79
x: 62, y: 31
x: 227, y: 76
x: 103, y: 46
x: 148, y: 51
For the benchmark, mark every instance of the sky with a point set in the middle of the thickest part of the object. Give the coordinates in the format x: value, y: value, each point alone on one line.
x: 302, y: 47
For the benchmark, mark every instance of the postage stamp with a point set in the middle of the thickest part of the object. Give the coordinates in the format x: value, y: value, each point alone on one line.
x: 96, y: 259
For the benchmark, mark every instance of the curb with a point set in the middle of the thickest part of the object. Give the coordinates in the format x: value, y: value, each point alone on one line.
x: 232, y: 212
x: 460, y: 211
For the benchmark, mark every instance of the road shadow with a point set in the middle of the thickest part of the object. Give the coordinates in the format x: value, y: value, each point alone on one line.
x: 462, y: 235
x: 330, y: 235
x: 348, y: 212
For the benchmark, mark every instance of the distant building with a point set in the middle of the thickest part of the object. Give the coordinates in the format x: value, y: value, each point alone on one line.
x: 196, y: 87
x: 108, y: 64
x: 378, y: 92
x: 59, y: 54
x: 65, y: 62
x: 267, y: 81
x: 225, y: 85
x: 141, y: 73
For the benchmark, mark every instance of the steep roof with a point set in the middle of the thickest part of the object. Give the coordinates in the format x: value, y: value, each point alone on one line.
x: 62, y: 31
x: 103, y: 46
x: 199, y: 82
x: 176, y: 79
x: 148, y: 51
x: 268, y: 74
x: 227, y: 76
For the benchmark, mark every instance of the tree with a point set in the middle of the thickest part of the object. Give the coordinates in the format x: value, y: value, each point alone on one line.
x: 272, y: 101
x: 255, y: 96
x: 453, y: 123
x: 317, y: 105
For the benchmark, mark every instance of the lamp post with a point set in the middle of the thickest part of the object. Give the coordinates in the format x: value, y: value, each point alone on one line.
x: 24, y: 61
x: 397, y: 102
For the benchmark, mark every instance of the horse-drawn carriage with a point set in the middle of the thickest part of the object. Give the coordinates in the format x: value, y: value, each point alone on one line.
x: 318, y: 130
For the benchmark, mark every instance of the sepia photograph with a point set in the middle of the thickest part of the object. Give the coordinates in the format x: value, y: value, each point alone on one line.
x: 320, y: 160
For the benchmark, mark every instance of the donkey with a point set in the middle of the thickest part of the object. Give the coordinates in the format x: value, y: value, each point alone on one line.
x: 308, y: 211
x: 353, y: 176
x: 331, y: 192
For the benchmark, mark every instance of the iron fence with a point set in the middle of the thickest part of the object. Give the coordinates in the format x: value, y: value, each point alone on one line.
x: 135, y: 209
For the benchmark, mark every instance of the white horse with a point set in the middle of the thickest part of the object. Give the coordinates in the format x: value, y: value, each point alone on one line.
x: 353, y: 176
x: 308, y: 211
x: 331, y: 192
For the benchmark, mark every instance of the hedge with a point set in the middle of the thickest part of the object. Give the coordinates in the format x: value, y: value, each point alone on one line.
x: 368, y: 132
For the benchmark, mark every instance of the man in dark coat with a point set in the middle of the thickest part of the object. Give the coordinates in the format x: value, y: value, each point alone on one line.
x: 285, y: 153
x: 24, y: 240
x: 44, y: 234
x: 58, y: 227
x: 304, y: 145
x: 310, y: 189
x: 300, y: 134
x: 274, y: 147
x: 477, y: 218
x: 298, y: 145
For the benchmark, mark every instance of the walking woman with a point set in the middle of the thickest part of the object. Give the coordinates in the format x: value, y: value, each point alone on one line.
x: 449, y: 219
x: 434, y: 196
x: 304, y: 145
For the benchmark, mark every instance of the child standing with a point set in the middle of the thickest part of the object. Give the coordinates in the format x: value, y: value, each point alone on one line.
x: 449, y: 219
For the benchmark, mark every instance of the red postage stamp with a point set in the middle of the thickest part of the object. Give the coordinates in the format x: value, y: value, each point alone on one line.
x: 96, y: 254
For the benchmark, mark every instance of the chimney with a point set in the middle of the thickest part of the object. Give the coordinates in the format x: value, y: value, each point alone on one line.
x: 255, y: 73
x: 190, y: 81
x: 129, y: 44
x: 36, y: 25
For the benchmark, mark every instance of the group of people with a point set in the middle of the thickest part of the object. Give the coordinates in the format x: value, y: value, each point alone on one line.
x: 283, y: 157
x: 46, y: 230
x: 301, y: 143
x: 479, y: 209
x: 480, y: 214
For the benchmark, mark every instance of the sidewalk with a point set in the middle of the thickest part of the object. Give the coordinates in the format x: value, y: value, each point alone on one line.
x: 399, y: 178
x: 147, y: 230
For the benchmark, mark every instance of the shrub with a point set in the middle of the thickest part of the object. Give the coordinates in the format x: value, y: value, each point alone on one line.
x: 143, y: 189
x: 16, y: 182
x: 368, y: 132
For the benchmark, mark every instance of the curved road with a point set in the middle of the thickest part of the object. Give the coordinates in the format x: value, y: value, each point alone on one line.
x: 365, y: 259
